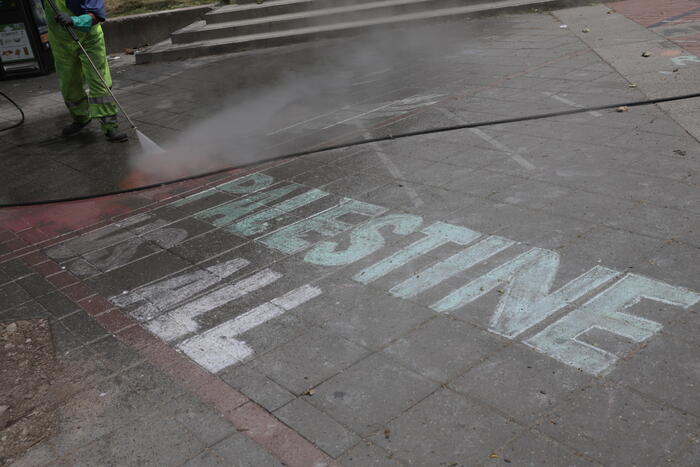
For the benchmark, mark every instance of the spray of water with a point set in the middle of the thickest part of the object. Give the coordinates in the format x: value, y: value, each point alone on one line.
x: 148, y: 146
x: 255, y: 95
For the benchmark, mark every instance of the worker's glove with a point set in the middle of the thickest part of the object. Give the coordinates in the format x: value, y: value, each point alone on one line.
x: 64, y: 19
x: 82, y: 23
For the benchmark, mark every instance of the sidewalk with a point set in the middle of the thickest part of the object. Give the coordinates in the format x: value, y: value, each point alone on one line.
x: 522, y: 294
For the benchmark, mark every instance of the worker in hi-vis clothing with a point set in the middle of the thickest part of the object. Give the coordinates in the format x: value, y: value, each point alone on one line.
x: 74, y: 71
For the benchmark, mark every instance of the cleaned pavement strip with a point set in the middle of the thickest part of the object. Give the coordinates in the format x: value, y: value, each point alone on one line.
x: 527, y: 313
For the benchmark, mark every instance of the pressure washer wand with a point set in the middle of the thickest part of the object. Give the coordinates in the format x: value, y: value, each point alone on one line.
x: 74, y: 36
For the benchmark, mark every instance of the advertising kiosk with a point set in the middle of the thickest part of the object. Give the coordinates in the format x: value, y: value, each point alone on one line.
x: 24, y: 42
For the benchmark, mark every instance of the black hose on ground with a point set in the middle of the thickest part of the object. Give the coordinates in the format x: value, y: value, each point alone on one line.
x: 21, y: 113
x: 369, y: 141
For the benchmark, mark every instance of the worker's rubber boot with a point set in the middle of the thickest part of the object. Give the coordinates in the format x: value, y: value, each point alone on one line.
x: 74, y: 128
x: 113, y: 135
x: 110, y: 127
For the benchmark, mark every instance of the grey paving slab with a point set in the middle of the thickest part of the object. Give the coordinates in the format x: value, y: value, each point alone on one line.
x: 688, y: 456
x: 431, y: 173
x: 445, y: 428
x: 5, y: 278
x: 400, y: 166
x: 140, y: 272
x: 476, y: 155
x: 115, y: 355
x: 369, y: 394
x: 101, y: 409
x: 679, y: 167
x: 27, y: 310
x: 257, y: 386
x: 63, y: 339
x: 277, y: 332
x: 569, y: 135
x: 645, y: 189
x: 619, y: 250
x: 661, y: 144
x: 521, y: 383
x: 675, y: 262
x: 293, y: 168
x: 155, y: 439
x: 308, y: 360
x: 206, y: 458
x: 15, y: 268
x: 207, y: 245
x: 84, y: 327
x: 368, y: 317
x: 364, y: 159
x: 628, y: 429
x: 81, y: 268
x: 442, y: 148
x: 40, y: 453
x: 665, y: 370
x: 319, y: 178
x: 537, y: 228
x: 35, y: 285
x: 533, y: 449
x: 317, y: 427
x: 207, y: 199
x: 443, y: 348
x: 93, y: 240
x: 12, y: 295
x: 558, y: 199
x: 331, y: 156
x: 365, y: 453
x: 177, y: 232
x: 201, y: 421
x: 158, y: 218
x: 661, y: 223
x: 354, y: 185
x: 256, y: 254
x: 485, y: 215
x: 430, y: 202
x: 112, y: 257
x: 575, y: 166
x: 239, y: 451
x: 685, y: 325
x: 80, y: 425
x: 294, y: 273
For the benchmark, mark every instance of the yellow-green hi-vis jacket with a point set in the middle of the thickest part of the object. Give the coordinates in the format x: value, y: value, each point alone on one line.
x: 84, y: 93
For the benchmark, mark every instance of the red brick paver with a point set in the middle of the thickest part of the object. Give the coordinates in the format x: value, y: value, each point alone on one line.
x: 651, y: 12
x: 656, y: 14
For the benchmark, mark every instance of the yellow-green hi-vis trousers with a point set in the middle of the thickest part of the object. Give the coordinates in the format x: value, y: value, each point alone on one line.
x: 75, y: 75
